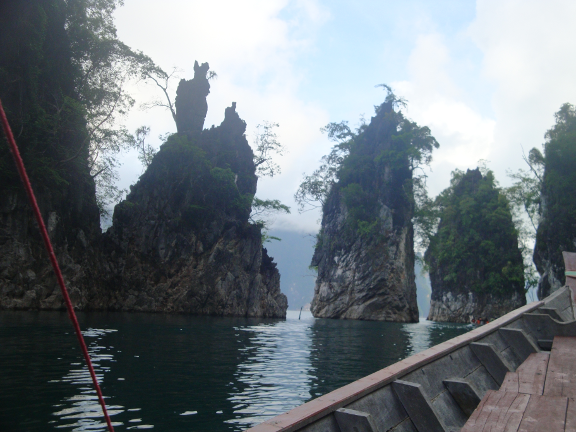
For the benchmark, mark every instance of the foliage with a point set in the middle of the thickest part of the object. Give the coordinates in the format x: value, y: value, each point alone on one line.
x: 196, y: 184
x: 37, y: 88
x: 262, y: 211
x: 524, y: 197
x: 138, y: 141
x: 314, y: 189
x: 380, y: 162
x: 475, y: 247
x: 557, y: 229
x: 266, y: 146
x: 63, y: 72
x: 105, y: 64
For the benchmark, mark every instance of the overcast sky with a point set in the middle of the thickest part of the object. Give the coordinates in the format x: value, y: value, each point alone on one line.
x: 486, y: 76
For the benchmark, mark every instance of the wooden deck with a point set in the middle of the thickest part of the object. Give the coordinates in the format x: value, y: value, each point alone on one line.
x: 539, y: 396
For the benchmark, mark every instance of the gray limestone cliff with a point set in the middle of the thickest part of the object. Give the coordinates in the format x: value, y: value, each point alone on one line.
x: 179, y: 242
x: 365, y: 248
x: 368, y: 279
x: 548, y: 251
x: 463, y: 307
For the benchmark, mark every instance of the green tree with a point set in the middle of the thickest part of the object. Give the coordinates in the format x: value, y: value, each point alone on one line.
x: 524, y: 197
x: 475, y: 247
x: 315, y: 188
x: 263, y: 211
x: 64, y: 74
x: 368, y: 165
x: 146, y: 152
x: 105, y: 66
x: 266, y: 147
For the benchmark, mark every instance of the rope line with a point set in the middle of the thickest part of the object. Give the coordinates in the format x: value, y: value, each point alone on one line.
x: 48, y: 244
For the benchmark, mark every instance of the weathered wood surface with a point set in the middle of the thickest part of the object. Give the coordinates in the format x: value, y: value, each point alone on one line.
x: 561, y: 375
x: 532, y: 374
x: 499, y: 411
x: 571, y: 416
x: 544, y: 413
x: 510, y: 383
x: 502, y: 411
x: 539, y: 396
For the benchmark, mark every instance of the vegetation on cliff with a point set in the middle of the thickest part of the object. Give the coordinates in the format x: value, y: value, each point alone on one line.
x: 557, y: 227
x: 372, y: 165
x: 368, y: 187
x: 475, y: 247
x: 62, y: 80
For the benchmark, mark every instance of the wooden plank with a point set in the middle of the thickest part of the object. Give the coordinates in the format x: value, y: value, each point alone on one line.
x: 561, y: 374
x: 570, y: 416
x: 510, y: 383
x: 325, y: 405
x: 499, y: 411
x: 532, y: 374
x: 544, y: 413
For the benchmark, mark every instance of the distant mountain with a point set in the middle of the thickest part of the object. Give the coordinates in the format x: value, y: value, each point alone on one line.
x: 293, y: 255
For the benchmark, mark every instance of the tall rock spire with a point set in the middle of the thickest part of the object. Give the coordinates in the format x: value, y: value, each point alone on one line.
x: 191, y: 105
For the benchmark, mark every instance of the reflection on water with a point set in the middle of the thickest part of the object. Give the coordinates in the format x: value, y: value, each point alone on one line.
x: 275, y: 373
x: 185, y: 373
x: 82, y: 411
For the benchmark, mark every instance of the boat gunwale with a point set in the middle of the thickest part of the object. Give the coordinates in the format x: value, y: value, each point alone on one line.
x: 323, y: 406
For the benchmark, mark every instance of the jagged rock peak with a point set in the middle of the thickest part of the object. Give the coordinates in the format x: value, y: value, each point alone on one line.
x: 191, y: 105
x: 232, y: 121
x: 364, y: 253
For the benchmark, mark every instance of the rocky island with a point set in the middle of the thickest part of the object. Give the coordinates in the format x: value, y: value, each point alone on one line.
x: 181, y: 241
x: 365, y: 248
x: 475, y: 265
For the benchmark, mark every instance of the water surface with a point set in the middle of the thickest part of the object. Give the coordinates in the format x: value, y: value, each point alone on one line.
x: 187, y: 373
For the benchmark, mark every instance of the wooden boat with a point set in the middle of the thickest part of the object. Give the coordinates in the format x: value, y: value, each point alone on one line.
x: 491, y: 378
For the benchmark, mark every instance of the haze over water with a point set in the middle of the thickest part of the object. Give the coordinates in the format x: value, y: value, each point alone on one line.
x: 187, y: 373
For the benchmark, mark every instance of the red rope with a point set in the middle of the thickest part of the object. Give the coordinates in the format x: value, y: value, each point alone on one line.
x: 48, y: 244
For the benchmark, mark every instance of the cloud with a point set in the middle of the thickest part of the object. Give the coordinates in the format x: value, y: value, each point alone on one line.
x: 527, y: 51
x: 434, y: 100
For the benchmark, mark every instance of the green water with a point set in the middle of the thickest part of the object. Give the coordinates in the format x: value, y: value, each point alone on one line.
x: 185, y: 373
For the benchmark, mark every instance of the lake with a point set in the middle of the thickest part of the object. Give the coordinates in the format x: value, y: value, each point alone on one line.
x: 187, y: 373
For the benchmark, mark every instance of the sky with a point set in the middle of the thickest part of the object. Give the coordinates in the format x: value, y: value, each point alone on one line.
x: 485, y: 76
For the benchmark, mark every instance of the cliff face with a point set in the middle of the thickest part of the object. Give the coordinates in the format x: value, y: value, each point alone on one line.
x: 461, y: 307
x: 548, y: 252
x: 365, y: 254
x: 36, y: 80
x: 180, y: 242
x: 369, y: 279
x: 475, y: 266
